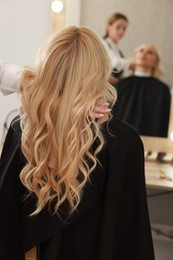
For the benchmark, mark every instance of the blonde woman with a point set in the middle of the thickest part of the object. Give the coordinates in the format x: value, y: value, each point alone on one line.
x: 72, y: 185
x: 143, y: 99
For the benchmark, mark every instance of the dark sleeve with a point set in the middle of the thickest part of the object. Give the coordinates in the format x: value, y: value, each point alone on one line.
x: 19, y: 231
x: 135, y: 233
x: 166, y: 111
x: 11, y: 247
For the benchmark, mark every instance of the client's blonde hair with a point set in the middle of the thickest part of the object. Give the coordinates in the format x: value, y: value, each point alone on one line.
x: 58, y: 129
x: 157, y: 72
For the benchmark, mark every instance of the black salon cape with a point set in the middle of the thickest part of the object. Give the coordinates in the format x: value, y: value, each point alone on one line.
x: 111, y: 223
x: 144, y: 103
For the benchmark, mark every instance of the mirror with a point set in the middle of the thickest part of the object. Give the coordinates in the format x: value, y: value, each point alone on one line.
x: 148, y: 23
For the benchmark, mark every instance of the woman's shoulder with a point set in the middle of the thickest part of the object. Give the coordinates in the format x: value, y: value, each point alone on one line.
x: 13, y: 138
x: 160, y: 83
x: 122, y: 133
x: 125, y: 81
x: 15, y: 127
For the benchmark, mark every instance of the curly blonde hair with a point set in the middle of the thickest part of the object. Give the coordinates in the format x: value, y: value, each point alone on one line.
x: 58, y: 128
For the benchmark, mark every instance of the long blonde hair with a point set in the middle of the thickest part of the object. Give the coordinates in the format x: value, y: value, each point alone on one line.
x: 58, y: 129
x: 157, y: 72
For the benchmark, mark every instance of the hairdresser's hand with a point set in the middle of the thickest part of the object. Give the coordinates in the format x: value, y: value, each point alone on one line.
x: 100, y: 109
x: 112, y: 80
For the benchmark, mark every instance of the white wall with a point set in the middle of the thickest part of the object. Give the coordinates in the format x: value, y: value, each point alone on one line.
x: 24, y: 26
x: 73, y: 12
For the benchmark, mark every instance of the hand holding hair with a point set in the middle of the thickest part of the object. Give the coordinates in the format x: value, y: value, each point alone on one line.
x: 101, y: 109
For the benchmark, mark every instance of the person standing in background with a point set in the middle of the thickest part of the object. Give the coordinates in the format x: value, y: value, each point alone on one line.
x: 115, y: 29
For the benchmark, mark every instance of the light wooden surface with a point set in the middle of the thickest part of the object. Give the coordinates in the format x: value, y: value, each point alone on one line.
x: 157, y: 144
x: 1, y: 144
x: 157, y: 174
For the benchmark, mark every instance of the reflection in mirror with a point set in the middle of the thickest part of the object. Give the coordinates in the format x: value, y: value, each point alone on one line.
x: 158, y: 119
x: 144, y: 27
x: 143, y: 99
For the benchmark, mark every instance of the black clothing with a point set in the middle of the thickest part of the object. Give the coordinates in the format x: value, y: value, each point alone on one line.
x: 116, y: 73
x: 111, y: 223
x: 144, y: 103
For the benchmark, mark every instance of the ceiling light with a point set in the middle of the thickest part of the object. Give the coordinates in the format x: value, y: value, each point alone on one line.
x: 57, y: 6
